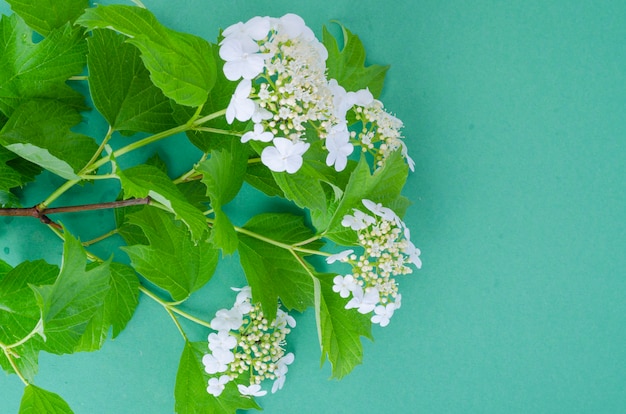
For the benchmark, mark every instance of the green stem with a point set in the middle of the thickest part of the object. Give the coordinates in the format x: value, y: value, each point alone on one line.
x: 96, y: 155
x: 171, y: 307
x: 17, y: 371
x: 180, y: 328
x: 37, y: 330
x: 194, y: 122
x: 218, y: 131
x: 100, y: 238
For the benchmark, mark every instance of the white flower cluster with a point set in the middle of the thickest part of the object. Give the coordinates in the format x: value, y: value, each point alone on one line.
x: 284, y: 90
x: 247, y: 347
x: 388, y: 251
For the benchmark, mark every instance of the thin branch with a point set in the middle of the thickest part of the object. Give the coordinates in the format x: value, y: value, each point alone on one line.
x: 41, y: 213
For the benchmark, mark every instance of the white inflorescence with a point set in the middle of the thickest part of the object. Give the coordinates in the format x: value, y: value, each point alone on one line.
x: 284, y: 90
x: 387, y: 252
x: 247, y: 348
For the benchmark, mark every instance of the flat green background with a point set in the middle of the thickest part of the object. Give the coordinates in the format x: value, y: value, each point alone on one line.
x: 515, y: 114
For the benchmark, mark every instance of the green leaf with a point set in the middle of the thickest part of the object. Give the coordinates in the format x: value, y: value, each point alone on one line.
x: 145, y: 180
x: 348, y: 65
x: 39, y: 131
x: 121, y: 88
x: 341, y: 330
x: 39, y: 401
x: 223, y: 174
x: 46, y: 15
x: 382, y: 186
x: 191, y: 384
x: 20, y: 313
x: 273, y: 271
x: 119, y: 306
x: 172, y: 260
x: 70, y: 303
x: 39, y: 70
x: 261, y: 178
x: 180, y: 64
x: 303, y: 188
x: 14, y: 173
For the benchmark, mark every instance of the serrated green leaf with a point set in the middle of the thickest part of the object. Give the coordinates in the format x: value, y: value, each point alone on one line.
x: 191, y: 384
x: 342, y: 330
x: 348, y: 65
x: 382, y: 186
x: 121, y: 88
x: 39, y: 131
x: 180, y: 64
x: 29, y: 70
x: 70, y: 303
x: 145, y: 180
x: 222, y: 174
x: 172, y: 260
x: 303, y: 188
x: 39, y: 401
x: 20, y: 314
x: 273, y: 272
x: 119, y: 306
x: 261, y: 178
x: 46, y: 15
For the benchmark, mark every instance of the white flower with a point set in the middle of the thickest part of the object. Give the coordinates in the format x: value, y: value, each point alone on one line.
x: 398, y: 301
x: 344, y: 285
x: 364, y: 302
x: 383, y: 314
x: 222, y: 340
x: 212, y: 365
x: 341, y: 256
x: 341, y: 103
x: 216, y: 386
x: 290, y: 25
x: 227, y: 320
x: 256, y: 28
x: 258, y: 134
x: 339, y: 147
x: 253, y: 390
x: 361, y: 97
x: 285, y: 155
x: 281, y: 371
x: 241, y: 59
x: 379, y: 210
x: 357, y: 222
x: 414, y: 254
x: 405, y: 154
x: 241, y: 106
x: 283, y: 319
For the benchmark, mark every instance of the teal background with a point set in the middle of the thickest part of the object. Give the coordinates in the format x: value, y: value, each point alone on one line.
x: 515, y: 114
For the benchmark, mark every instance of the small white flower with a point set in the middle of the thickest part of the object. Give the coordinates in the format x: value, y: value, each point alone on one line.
x: 281, y: 371
x: 364, y: 302
x: 241, y: 59
x: 241, y: 106
x: 216, y: 386
x: 283, y: 319
x: 383, y: 314
x: 341, y: 256
x: 253, y: 390
x: 256, y: 28
x: 222, y: 340
x: 212, y: 365
x: 379, y: 210
x: 227, y: 320
x: 414, y: 254
x: 358, y: 221
x: 338, y: 146
x: 398, y: 301
x: 344, y: 285
x: 285, y: 155
x: 361, y: 97
x: 291, y: 25
x: 258, y: 134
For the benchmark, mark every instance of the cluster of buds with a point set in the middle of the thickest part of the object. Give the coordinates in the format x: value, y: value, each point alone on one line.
x: 247, y: 348
x: 387, y: 252
x: 283, y: 88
